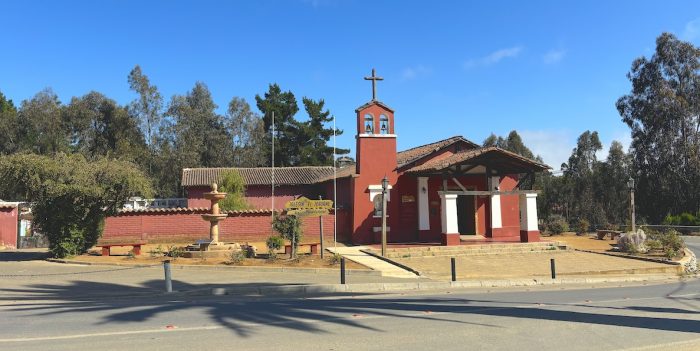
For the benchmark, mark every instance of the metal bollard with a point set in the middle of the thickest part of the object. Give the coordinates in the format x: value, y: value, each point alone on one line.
x: 342, y: 270
x: 168, y: 276
x: 553, y: 268
x: 454, y: 269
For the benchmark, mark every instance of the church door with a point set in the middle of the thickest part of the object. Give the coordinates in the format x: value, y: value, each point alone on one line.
x: 466, y: 214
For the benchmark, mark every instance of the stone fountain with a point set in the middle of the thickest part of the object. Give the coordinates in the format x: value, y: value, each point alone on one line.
x: 212, y: 247
x: 214, y: 196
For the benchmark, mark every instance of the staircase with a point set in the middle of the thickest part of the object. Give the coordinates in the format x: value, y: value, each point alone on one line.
x: 473, y: 250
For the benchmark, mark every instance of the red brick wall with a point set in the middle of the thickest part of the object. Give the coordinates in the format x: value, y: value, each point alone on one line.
x: 258, y: 196
x: 8, y: 226
x: 188, y: 225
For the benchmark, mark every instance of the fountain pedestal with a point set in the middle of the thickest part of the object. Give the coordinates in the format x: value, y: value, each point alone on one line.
x: 213, y: 248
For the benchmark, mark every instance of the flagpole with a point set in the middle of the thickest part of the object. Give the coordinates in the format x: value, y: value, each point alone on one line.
x: 335, y: 203
x: 273, y: 173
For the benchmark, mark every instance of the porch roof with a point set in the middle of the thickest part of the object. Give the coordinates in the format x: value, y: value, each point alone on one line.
x: 493, y: 158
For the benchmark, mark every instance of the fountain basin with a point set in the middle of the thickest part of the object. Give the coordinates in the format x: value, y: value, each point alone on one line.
x: 214, y: 196
x: 214, y: 217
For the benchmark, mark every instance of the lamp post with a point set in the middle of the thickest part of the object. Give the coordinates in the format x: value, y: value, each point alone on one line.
x: 630, y: 185
x: 385, y: 186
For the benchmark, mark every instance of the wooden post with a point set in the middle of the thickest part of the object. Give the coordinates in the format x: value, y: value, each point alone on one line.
x: 320, y: 229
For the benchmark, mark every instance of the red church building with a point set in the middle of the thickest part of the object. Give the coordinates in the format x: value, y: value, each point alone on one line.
x: 438, y: 191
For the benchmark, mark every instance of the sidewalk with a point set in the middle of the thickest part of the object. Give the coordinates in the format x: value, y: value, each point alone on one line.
x: 354, y: 253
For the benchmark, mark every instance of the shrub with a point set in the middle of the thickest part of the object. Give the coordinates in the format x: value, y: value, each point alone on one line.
x: 233, y: 184
x: 334, y: 259
x: 582, y: 226
x: 671, y: 243
x: 289, y: 227
x: 249, y: 250
x: 174, y: 252
x: 274, y: 243
x: 557, y: 224
x: 632, y: 242
x: 71, y: 196
x: 236, y: 256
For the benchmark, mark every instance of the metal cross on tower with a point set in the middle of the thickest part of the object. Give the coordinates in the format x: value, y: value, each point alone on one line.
x: 374, y: 80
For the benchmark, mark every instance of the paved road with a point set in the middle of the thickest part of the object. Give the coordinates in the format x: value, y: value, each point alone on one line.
x: 693, y: 243
x: 596, y: 319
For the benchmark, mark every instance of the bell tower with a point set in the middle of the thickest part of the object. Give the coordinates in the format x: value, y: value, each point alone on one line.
x: 375, y: 159
x: 376, y: 141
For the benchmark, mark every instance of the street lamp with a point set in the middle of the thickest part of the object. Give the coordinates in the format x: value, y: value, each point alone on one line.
x: 385, y: 186
x: 630, y: 185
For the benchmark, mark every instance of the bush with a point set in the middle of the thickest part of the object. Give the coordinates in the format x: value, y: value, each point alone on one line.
x: 557, y: 224
x: 671, y: 242
x: 236, y: 256
x: 334, y: 259
x: 233, y: 184
x: 274, y: 243
x: 582, y: 226
x: 174, y: 252
x: 71, y: 196
x: 632, y: 242
x: 289, y: 227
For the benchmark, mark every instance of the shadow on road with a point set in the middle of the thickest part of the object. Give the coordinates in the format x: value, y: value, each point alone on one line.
x: 241, y: 315
x: 33, y: 255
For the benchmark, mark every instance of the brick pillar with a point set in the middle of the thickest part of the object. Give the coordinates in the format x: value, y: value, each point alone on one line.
x: 448, y: 209
x: 529, y: 231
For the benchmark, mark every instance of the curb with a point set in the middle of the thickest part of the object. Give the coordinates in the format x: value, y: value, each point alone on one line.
x: 283, y: 290
x: 390, y: 261
x: 253, y: 269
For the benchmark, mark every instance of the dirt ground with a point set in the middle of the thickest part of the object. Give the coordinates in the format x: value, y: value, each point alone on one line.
x: 584, y: 242
x: 305, y: 259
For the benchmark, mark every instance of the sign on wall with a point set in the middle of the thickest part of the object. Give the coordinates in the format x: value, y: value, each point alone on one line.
x: 305, y: 207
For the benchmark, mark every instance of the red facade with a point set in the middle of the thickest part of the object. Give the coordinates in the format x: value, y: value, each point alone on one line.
x: 8, y: 226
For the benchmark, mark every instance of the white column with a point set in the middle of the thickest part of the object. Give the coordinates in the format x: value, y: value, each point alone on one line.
x: 528, y: 212
x: 448, y: 210
x: 496, y: 221
x: 423, y: 209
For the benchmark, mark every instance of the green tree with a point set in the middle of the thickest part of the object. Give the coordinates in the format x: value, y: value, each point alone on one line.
x: 233, y: 184
x: 313, y: 136
x: 100, y: 127
x: 9, y: 126
x: 513, y: 143
x: 200, y: 137
x: 147, y: 107
x: 248, y: 132
x: 41, y: 125
x: 289, y: 227
x: 71, y: 196
x: 662, y: 111
x: 580, y: 173
x: 284, y: 105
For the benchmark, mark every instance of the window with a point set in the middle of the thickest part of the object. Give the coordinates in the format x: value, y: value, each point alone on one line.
x: 377, y: 205
x: 369, y: 124
x: 383, y: 124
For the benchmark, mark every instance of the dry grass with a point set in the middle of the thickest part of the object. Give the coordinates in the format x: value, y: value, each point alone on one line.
x: 584, y: 242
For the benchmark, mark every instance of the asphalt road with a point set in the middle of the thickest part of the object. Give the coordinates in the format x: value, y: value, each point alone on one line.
x: 656, y: 316
x: 693, y: 243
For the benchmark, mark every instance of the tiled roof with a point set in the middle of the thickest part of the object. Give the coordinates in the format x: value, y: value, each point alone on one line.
x: 257, y: 176
x: 466, y: 155
x: 405, y: 157
x: 374, y: 102
x: 347, y: 171
x: 202, y: 210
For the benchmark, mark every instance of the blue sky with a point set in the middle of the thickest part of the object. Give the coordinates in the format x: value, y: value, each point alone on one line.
x: 549, y: 69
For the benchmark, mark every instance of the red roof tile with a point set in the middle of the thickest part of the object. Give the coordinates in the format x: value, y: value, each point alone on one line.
x: 405, y: 157
x: 466, y: 155
x: 257, y: 176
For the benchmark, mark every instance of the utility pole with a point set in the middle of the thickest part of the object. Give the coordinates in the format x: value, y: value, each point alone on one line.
x: 385, y: 185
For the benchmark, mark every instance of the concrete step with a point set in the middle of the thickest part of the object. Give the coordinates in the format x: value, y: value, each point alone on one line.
x: 470, y: 250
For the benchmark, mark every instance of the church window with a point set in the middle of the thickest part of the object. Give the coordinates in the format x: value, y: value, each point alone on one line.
x: 383, y: 124
x: 377, y: 201
x: 369, y: 124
